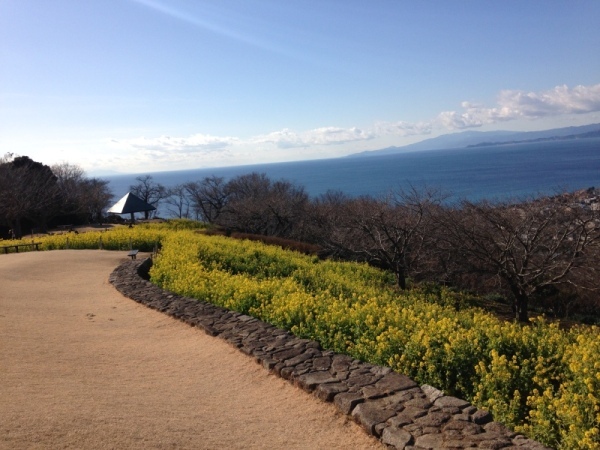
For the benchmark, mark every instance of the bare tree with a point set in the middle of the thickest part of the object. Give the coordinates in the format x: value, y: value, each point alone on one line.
x: 69, y: 179
x: 286, y: 205
x: 391, y: 232
x: 149, y: 191
x: 82, y: 197
x: 255, y: 204
x: 323, y: 217
x: 526, y: 247
x: 178, y: 201
x: 68, y: 175
x: 208, y: 197
x: 96, y: 197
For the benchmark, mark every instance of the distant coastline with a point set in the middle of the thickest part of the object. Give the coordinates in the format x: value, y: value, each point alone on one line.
x: 476, y: 139
x: 589, y: 135
x: 495, y: 173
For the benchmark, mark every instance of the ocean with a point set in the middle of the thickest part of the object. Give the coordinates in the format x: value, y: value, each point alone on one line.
x: 492, y: 172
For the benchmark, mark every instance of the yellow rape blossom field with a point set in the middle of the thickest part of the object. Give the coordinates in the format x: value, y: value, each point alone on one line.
x: 538, y: 379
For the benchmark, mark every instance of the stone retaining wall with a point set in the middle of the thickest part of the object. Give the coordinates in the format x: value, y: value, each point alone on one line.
x: 388, y: 405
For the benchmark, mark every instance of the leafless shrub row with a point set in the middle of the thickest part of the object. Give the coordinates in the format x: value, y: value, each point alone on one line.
x: 543, y: 250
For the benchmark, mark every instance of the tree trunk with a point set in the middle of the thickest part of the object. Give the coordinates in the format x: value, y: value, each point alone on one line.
x: 521, y: 307
x: 17, y: 230
x: 401, y: 278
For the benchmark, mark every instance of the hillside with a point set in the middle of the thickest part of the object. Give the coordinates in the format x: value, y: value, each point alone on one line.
x: 486, y: 138
x: 591, y: 134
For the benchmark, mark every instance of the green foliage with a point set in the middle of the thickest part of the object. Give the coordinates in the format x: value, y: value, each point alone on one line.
x: 181, y: 224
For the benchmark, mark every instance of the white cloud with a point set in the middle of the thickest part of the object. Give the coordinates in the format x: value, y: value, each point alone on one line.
x: 402, y: 128
x: 560, y: 100
x: 167, y: 152
x: 514, y: 105
x: 197, y: 143
x: 320, y: 136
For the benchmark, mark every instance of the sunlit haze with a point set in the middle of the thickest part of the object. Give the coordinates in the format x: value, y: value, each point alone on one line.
x: 150, y: 85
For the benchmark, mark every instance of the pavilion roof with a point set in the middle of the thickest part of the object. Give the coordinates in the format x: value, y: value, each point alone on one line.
x: 130, y: 203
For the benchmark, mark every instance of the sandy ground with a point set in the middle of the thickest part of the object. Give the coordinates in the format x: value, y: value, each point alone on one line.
x: 83, y: 367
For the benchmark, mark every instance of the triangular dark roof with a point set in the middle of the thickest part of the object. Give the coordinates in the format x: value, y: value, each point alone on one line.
x: 130, y: 203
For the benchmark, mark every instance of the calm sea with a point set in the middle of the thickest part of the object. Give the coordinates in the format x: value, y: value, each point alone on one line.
x: 494, y: 172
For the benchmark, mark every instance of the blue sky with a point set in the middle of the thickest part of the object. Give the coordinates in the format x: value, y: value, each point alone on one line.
x: 150, y: 85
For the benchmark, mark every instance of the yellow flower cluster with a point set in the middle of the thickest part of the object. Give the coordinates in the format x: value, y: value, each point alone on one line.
x: 142, y: 237
x: 565, y: 409
x: 539, y: 379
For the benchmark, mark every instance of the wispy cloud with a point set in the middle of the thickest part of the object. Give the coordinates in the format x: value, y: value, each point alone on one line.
x: 289, y: 144
x: 211, y: 23
x: 167, y: 146
x: 320, y: 136
x: 513, y: 105
x: 402, y: 128
x: 215, y: 150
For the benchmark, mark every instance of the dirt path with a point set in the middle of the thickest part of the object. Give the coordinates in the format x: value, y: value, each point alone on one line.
x: 83, y: 367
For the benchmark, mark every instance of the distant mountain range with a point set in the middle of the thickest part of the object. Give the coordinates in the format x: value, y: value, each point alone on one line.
x: 488, y: 138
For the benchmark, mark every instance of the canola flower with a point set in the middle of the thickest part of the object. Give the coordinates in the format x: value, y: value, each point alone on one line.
x: 538, y: 379
x: 143, y: 237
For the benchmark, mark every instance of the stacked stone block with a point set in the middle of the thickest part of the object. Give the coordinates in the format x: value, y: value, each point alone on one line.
x: 388, y: 405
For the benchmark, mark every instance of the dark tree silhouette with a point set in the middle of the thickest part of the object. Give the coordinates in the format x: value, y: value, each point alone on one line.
x: 28, y: 190
x: 149, y: 191
x: 389, y: 232
x: 208, y: 197
x: 255, y: 204
x: 178, y: 201
x: 527, y: 247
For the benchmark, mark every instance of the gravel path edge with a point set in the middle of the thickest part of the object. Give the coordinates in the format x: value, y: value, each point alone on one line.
x: 388, y: 405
